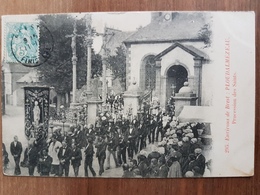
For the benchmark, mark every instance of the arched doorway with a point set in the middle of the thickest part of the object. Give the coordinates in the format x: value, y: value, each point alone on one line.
x: 176, y: 76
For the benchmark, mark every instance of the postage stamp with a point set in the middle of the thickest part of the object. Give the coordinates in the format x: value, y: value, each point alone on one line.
x: 22, y: 43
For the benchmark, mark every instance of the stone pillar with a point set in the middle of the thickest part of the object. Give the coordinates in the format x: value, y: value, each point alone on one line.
x: 74, y: 63
x: 158, y: 78
x: 94, y: 103
x: 89, y: 41
x: 131, y: 100
x: 197, y: 77
x: 74, y: 77
x: 131, y: 104
x: 104, y: 81
x: 128, y: 66
x: 104, y: 67
x: 163, y: 98
x: 94, y: 107
x: 191, y: 82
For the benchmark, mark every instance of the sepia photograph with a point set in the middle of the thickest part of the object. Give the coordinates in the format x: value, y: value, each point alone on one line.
x: 128, y: 94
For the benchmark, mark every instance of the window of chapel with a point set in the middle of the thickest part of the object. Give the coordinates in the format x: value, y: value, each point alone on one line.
x: 150, y: 73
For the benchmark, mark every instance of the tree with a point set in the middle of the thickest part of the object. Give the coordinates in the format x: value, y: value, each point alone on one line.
x: 117, y: 63
x: 56, y: 71
x: 205, y: 34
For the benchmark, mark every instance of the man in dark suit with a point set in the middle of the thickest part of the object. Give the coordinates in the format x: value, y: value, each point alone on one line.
x: 124, y: 125
x: 76, y: 157
x: 90, y: 132
x: 152, y: 126
x: 68, y: 138
x: 89, y: 152
x: 141, y: 135
x: 159, y: 127
x: 32, y: 154
x: 16, y: 151
x: 199, y: 161
x: 80, y: 138
x: 64, y: 156
x: 135, y: 122
x: 132, y: 134
x: 112, y: 143
x: 101, y: 153
x: 45, y: 163
x: 144, y: 130
x: 121, y: 151
x: 142, y: 165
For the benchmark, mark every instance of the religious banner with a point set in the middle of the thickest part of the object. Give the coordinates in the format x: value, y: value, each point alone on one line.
x: 36, y: 107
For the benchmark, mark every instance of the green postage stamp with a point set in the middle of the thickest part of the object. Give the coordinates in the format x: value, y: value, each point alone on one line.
x: 22, y: 42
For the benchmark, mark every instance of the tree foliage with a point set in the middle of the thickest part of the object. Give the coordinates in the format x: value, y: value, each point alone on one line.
x: 57, y: 70
x: 205, y: 33
x: 117, y: 63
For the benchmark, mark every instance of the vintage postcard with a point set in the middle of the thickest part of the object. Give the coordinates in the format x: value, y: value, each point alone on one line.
x: 128, y: 94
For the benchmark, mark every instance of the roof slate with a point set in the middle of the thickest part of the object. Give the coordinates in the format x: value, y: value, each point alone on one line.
x: 183, y: 26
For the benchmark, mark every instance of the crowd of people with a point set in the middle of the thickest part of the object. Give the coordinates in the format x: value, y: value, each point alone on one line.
x: 150, y: 146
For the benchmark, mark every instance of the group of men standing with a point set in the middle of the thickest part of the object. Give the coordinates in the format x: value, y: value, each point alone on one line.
x: 123, y: 139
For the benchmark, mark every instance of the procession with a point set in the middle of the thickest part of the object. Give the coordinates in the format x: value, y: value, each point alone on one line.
x: 137, y: 107
x: 175, y: 149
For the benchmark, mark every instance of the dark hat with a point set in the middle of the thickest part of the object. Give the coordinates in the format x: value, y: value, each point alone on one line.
x: 162, y: 159
x: 90, y: 139
x: 141, y: 157
x: 125, y: 167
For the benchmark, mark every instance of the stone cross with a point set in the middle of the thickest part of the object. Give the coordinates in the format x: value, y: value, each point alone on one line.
x: 74, y: 60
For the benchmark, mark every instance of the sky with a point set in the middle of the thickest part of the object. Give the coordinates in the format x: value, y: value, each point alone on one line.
x: 125, y: 21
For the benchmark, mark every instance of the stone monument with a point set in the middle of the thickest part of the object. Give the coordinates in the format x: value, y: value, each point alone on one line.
x: 185, y: 97
x: 131, y: 100
x: 94, y: 102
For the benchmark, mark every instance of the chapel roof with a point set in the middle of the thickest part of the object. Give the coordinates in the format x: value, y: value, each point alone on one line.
x: 113, y: 40
x: 188, y: 48
x: 16, y: 68
x: 31, y: 77
x: 182, y: 26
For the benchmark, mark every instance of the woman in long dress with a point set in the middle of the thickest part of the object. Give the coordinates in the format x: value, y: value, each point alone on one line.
x: 175, y: 168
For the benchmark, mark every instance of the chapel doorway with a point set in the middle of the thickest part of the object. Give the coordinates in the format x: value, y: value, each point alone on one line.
x: 176, y: 76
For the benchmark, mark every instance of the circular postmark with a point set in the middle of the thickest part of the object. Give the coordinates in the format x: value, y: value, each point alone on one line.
x: 27, y: 44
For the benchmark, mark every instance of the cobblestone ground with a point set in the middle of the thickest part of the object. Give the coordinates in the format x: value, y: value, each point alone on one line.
x: 13, y: 124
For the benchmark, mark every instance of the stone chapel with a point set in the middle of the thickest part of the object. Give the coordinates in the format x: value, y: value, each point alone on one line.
x: 173, y: 49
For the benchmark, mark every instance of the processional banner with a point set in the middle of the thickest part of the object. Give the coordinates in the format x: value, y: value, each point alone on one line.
x: 36, y: 112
